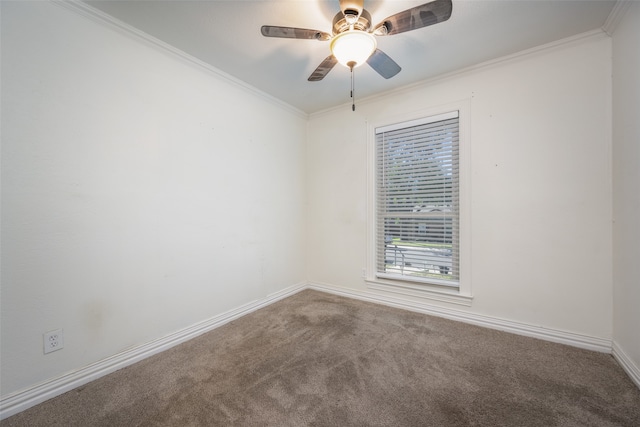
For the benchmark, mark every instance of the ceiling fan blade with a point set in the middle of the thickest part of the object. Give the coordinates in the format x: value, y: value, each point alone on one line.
x: 294, y: 33
x: 414, y: 18
x: 384, y: 65
x: 323, y: 69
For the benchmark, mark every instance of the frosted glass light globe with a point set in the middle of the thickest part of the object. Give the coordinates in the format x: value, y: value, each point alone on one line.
x: 353, y: 46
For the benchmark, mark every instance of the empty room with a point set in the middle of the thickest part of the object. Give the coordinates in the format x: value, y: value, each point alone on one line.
x: 320, y: 212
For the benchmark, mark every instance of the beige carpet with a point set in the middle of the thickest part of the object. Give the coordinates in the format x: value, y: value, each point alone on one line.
x: 315, y: 359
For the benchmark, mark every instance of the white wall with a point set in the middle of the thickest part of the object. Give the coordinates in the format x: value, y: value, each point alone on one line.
x: 540, y: 139
x: 140, y: 193
x: 626, y: 184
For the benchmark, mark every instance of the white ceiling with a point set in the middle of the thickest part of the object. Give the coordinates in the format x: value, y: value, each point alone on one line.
x: 226, y: 35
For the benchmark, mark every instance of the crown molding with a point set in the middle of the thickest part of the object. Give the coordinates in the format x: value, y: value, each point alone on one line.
x: 617, y: 13
x: 568, y: 41
x: 83, y: 9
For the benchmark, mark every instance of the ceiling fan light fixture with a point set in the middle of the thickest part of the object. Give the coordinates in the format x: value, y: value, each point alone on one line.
x: 353, y: 46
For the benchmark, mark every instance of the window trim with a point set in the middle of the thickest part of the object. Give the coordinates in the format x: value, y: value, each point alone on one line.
x: 427, y: 289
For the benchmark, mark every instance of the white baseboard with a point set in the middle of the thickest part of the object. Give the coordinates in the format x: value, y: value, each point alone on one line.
x: 577, y: 340
x: 19, y: 401
x: 627, y: 364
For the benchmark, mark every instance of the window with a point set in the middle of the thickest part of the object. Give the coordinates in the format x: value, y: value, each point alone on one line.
x: 417, y: 201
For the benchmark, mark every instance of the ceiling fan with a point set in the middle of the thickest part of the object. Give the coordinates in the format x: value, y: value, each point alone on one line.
x: 353, y: 39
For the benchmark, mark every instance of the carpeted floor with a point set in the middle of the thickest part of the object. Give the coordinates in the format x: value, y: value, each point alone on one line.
x: 316, y: 359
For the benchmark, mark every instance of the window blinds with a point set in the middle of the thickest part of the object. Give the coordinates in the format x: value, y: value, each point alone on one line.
x: 417, y: 208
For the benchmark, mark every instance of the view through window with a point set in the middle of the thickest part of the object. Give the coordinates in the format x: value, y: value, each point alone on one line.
x: 417, y: 207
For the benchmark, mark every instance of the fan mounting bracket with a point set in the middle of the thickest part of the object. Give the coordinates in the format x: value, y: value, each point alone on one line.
x: 340, y: 24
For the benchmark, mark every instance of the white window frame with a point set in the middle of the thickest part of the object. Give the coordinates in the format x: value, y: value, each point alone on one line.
x: 424, y: 288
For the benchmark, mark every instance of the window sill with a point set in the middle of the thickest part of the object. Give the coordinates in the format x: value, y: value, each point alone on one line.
x: 420, y: 291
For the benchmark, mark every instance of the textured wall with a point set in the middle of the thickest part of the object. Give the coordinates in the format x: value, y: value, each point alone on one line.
x: 538, y: 129
x: 140, y: 194
x: 626, y: 183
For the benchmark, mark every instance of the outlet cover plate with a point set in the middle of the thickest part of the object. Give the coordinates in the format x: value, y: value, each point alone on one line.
x: 53, y: 341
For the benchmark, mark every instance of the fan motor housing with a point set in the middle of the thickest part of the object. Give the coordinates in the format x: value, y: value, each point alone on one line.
x: 341, y: 25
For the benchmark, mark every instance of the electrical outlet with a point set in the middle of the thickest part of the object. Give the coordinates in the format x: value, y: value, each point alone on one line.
x: 53, y: 340
x: 364, y: 273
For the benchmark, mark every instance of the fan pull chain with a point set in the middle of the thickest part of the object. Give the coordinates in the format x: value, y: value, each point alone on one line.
x: 352, y: 64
